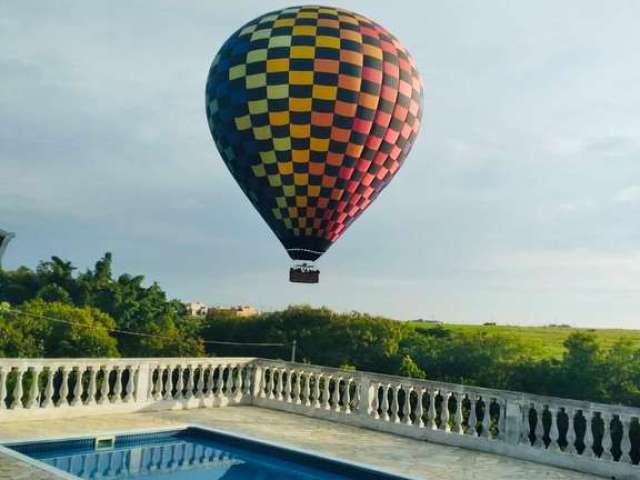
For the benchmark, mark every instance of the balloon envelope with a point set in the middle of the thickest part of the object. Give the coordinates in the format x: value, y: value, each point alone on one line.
x: 313, y: 110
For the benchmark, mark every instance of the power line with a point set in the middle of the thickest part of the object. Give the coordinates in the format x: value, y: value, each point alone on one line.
x: 143, y: 334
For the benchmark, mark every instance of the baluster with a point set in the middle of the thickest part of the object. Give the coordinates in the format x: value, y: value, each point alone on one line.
x: 34, y: 392
x: 525, y: 435
x: 246, y: 379
x: 157, y: 384
x: 135, y: 378
x: 625, y: 442
x: 554, y: 434
x: 326, y: 398
x: 200, y: 385
x: 48, y: 389
x: 431, y: 414
x: 473, y: 416
x: 355, y: 405
x: 64, y: 388
x: 77, y: 386
x: 189, y: 387
x: 262, y: 383
x: 297, y: 389
x: 210, y: 381
x: 385, y: 402
x: 458, y: 418
x: 486, y: 418
x: 395, y: 417
x: 571, y: 430
x: 16, y: 402
x: 104, y: 386
x: 220, y: 389
x: 502, y: 426
x: 231, y: 380
x: 270, y: 385
x: 128, y: 391
x: 606, y: 437
x: 117, y: 387
x: 444, y: 412
x: 168, y: 393
x: 406, y: 406
x: 539, y: 431
x: 306, y: 389
x: 91, y: 389
x: 347, y: 395
x: 335, y: 398
x: 3, y: 388
x: 180, y: 384
x: 374, y: 388
x: 288, y: 389
x: 419, y: 408
x: 239, y: 383
x: 316, y: 390
x: 223, y: 384
x: 280, y: 385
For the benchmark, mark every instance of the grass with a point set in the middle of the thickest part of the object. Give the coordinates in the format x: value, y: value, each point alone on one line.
x: 545, y: 342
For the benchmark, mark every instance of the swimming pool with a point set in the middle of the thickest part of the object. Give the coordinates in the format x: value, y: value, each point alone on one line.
x: 191, y: 453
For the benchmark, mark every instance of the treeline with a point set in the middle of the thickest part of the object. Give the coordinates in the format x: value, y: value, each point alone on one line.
x: 364, y: 342
x: 91, y: 310
x: 55, y: 311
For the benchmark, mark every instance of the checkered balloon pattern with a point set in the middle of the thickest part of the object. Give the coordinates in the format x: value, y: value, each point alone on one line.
x: 313, y: 110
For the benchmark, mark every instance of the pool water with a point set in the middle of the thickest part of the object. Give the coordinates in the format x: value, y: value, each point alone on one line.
x: 189, y: 454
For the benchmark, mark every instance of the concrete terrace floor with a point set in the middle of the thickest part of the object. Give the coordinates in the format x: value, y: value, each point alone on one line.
x: 395, y: 454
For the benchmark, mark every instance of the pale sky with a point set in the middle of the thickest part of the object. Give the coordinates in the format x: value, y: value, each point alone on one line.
x: 520, y: 202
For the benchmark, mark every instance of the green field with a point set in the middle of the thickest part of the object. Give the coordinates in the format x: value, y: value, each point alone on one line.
x: 545, y: 342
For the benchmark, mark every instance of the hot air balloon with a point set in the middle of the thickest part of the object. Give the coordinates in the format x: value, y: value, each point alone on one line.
x: 313, y: 110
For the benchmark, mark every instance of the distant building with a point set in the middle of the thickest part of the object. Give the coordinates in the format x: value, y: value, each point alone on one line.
x: 432, y: 322
x: 237, y: 311
x: 197, y: 309
x: 5, y: 238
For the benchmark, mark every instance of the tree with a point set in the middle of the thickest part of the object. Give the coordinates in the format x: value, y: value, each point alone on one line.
x: 324, y: 337
x: 19, y: 286
x: 54, y: 293
x: 581, y: 368
x: 43, y: 329
x: 621, y: 372
x: 15, y: 340
x: 485, y: 359
x: 126, y: 300
x: 409, y: 368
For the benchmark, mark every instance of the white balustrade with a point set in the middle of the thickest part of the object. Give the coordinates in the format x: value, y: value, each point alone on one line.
x: 589, y: 437
x: 45, y: 388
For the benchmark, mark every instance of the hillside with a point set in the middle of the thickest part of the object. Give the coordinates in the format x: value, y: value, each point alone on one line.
x: 545, y: 342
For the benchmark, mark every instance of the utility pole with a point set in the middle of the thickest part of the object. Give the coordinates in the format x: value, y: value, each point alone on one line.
x: 294, y: 344
x: 5, y: 238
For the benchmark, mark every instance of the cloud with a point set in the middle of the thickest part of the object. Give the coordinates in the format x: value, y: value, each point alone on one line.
x: 528, y: 156
x: 628, y: 195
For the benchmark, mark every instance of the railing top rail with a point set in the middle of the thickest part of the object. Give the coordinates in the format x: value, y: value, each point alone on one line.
x: 520, y: 397
x: 21, y: 362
